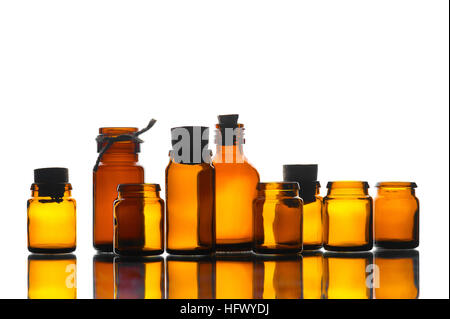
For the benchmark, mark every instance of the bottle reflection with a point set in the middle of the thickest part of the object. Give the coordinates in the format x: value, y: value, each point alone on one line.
x: 348, y: 275
x: 190, y: 277
x: 52, y: 276
x: 278, y: 277
x: 397, y: 274
x: 103, y: 276
x: 139, y: 278
x: 234, y: 276
x: 312, y: 267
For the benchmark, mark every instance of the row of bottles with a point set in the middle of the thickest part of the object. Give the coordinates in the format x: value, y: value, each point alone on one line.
x: 215, y: 203
x: 384, y: 274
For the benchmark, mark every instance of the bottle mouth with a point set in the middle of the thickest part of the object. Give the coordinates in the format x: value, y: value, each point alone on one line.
x: 348, y: 185
x: 138, y: 188
x: 396, y: 185
x: 114, y: 131
x: 278, y: 186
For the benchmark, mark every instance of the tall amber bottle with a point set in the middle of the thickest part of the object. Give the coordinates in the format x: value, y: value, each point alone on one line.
x: 117, y: 165
x: 236, y: 187
x: 190, y: 198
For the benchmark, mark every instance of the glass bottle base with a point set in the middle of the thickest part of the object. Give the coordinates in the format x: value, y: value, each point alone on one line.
x: 387, y: 244
x: 190, y: 252
x: 312, y: 247
x: 241, y: 247
x: 365, y: 247
x: 52, y: 250
x: 138, y: 253
x: 274, y: 251
x: 104, y: 248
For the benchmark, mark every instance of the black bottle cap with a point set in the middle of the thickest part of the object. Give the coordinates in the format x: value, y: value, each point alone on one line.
x: 228, y: 120
x: 51, y: 175
x: 306, y: 176
x: 191, y: 139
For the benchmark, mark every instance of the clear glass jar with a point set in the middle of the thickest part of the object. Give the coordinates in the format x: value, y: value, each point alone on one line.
x: 396, y: 215
x: 348, y: 214
x: 278, y: 212
x: 138, y: 220
x: 51, y: 212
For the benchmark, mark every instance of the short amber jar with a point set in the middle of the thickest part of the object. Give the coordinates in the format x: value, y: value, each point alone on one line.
x: 138, y: 220
x: 277, y: 214
x: 348, y: 215
x: 51, y: 212
x: 396, y: 215
x: 52, y: 276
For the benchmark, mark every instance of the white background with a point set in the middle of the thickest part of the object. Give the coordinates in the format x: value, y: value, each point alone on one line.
x: 360, y: 87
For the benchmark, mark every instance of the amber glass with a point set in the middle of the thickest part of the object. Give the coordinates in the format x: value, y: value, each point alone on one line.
x: 312, y: 266
x: 348, y: 224
x: 190, y: 208
x: 190, y: 277
x: 51, y: 222
x: 278, y: 277
x: 139, y: 220
x: 396, y: 215
x: 397, y: 275
x: 312, y: 222
x: 139, y: 278
x: 103, y: 274
x: 52, y: 277
x: 347, y: 276
x: 235, y: 276
x: 278, y: 219
x: 119, y: 165
x: 236, y: 188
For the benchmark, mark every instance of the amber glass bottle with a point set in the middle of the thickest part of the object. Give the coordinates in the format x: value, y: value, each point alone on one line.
x: 190, y: 277
x: 312, y: 274
x: 235, y: 276
x: 118, y: 165
x: 278, y: 214
x: 139, y: 278
x: 396, y: 215
x: 278, y: 277
x: 347, y: 276
x: 236, y: 183
x: 306, y: 177
x: 138, y: 220
x: 51, y: 212
x: 190, y: 198
x: 348, y: 224
x: 397, y: 275
x: 52, y: 276
x: 103, y: 274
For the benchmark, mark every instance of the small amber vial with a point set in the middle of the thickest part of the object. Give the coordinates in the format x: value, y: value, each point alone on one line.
x: 278, y: 277
x: 51, y: 212
x: 190, y: 277
x: 190, y: 193
x: 138, y: 220
x: 306, y: 176
x: 396, y: 215
x: 52, y: 276
x: 348, y: 224
x: 348, y: 275
x: 278, y: 214
x: 118, y: 165
x: 139, y: 278
x: 397, y: 274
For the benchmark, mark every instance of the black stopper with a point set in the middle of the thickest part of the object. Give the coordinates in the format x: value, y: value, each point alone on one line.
x: 228, y: 120
x: 51, y: 175
x: 306, y: 176
x: 190, y: 144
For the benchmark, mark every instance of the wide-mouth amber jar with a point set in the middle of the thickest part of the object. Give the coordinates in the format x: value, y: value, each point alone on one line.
x: 348, y: 214
x: 278, y: 212
x: 138, y: 220
x: 396, y: 215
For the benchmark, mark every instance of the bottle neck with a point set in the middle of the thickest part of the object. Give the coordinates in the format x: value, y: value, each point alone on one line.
x: 141, y: 191
x: 51, y: 190
x: 277, y: 194
x: 229, y: 153
x: 396, y: 191
x: 119, y: 157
